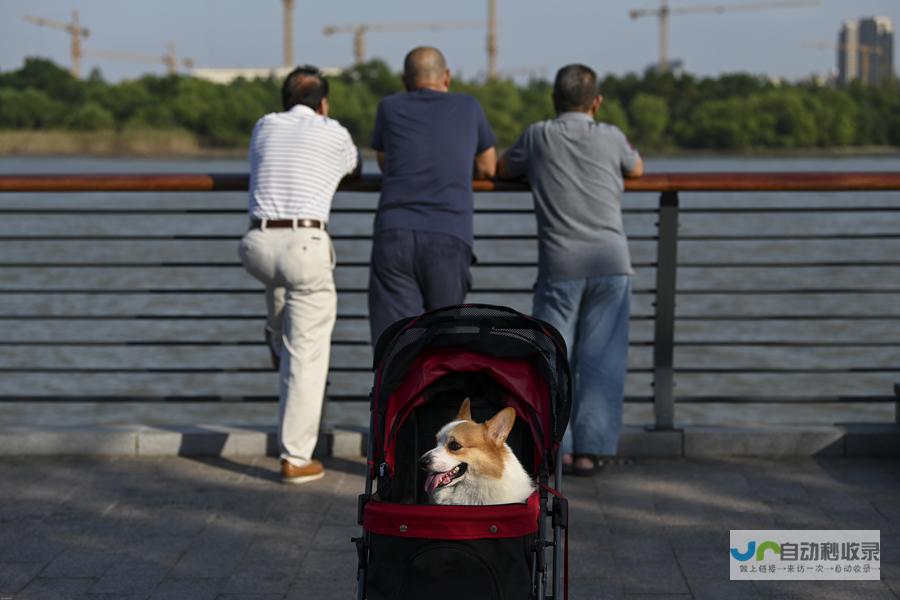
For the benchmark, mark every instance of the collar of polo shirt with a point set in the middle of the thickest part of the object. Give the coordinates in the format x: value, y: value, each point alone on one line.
x: 302, y: 108
x: 576, y: 116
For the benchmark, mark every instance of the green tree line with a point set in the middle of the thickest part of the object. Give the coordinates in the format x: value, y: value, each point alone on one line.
x: 734, y: 112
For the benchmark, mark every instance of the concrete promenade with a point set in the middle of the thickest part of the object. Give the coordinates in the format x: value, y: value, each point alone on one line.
x: 129, y: 528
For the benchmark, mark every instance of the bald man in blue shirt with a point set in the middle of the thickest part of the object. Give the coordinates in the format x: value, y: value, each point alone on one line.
x: 430, y: 143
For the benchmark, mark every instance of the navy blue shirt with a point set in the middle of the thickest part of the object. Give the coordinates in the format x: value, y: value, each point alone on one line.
x: 430, y: 140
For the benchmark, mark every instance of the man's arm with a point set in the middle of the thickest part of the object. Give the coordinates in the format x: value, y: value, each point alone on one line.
x: 630, y: 161
x: 503, y: 169
x: 486, y: 164
x: 356, y: 173
x: 486, y: 151
x: 514, y: 162
x: 378, y: 136
x: 352, y: 157
x: 636, y: 171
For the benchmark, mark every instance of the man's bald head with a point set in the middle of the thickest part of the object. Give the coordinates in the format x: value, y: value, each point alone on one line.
x: 425, y: 67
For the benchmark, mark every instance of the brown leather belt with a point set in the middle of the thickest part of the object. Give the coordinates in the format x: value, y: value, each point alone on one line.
x: 286, y: 223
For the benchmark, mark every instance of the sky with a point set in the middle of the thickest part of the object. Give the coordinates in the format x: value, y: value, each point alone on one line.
x: 535, y: 36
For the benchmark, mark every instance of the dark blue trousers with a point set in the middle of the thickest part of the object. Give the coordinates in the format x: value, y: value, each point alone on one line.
x: 413, y: 272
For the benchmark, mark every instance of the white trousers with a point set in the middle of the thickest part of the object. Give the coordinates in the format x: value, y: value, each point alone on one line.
x: 296, y: 266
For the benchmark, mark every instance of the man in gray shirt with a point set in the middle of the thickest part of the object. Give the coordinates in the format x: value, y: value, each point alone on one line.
x: 576, y: 168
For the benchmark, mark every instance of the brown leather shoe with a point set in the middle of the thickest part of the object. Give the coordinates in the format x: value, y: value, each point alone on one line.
x: 293, y: 474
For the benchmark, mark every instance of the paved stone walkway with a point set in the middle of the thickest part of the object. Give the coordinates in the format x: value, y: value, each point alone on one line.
x: 206, y: 529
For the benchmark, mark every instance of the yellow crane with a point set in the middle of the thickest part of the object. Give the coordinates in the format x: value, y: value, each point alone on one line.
x: 359, y: 31
x: 866, y: 51
x: 287, y: 27
x: 74, y: 29
x: 534, y: 72
x: 664, y: 12
x: 169, y: 59
x: 492, y: 41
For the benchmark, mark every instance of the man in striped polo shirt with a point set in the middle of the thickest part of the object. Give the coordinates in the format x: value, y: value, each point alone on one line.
x: 297, y: 159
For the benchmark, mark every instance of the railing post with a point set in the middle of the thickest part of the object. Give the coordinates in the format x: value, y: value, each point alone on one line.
x: 664, y: 330
x: 897, y: 403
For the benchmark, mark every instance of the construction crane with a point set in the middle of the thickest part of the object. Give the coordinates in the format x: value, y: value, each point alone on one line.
x: 359, y: 31
x: 866, y: 51
x: 535, y: 72
x: 74, y: 29
x: 287, y: 24
x: 492, y: 41
x: 664, y: 12
x: 169, y: 59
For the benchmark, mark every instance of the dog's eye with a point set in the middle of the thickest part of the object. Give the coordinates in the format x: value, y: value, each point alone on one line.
x: 454, y: 446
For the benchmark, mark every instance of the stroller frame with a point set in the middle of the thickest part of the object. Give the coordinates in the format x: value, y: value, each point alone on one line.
x: 553, y: 507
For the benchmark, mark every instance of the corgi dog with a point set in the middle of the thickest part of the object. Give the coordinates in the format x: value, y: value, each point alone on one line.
x: 472, y: 464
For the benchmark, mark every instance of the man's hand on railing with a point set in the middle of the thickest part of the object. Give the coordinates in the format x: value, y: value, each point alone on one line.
x: 486, y: 164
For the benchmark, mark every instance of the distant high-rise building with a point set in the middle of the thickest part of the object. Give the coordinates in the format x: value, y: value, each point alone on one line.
x: 865, y: 50
x: 848, y: 51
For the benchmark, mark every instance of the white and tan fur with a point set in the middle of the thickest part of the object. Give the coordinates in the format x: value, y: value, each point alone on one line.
x: 491, y: 473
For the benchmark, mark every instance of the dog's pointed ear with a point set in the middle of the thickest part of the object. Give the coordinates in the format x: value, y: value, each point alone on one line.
x: 499, y: 426
x: 465, y: 411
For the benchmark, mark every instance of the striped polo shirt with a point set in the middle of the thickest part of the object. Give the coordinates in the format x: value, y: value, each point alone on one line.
x: 297, y: 159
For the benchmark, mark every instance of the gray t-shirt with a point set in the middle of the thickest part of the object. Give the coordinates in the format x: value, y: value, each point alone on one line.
x: 574, y: 166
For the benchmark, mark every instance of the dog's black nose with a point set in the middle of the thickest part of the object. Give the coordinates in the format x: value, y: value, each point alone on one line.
x: 424, y: 461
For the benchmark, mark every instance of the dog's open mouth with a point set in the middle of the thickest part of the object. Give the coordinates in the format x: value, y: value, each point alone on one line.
x: 436, y: 480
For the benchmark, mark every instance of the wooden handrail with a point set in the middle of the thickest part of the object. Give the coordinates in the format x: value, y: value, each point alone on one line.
x: 655, y: 182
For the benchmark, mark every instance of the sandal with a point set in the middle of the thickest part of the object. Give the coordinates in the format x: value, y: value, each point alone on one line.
x: 582, y: 471
x: 568, y: 468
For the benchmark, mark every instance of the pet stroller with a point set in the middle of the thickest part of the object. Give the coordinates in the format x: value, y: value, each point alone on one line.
x: 424, y: 367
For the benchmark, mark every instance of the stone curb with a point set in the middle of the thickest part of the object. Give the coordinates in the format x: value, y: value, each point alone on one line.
x: 193, y: 440
x: 851, y: 440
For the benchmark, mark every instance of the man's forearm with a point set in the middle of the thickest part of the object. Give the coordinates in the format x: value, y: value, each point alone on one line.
x: 636, y: 171
x: 356, y: 173
x: 486, y: 164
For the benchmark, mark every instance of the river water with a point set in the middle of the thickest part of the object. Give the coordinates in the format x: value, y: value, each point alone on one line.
x: 875, y: 336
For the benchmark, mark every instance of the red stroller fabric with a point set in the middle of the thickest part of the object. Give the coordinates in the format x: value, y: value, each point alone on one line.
x: 528, y: 393
x: 453, y: 522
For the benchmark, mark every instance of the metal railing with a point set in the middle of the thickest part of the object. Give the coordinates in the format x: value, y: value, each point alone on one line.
x: 664, y: 242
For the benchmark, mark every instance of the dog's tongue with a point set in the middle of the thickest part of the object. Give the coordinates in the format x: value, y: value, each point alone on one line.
x: 432, y: 482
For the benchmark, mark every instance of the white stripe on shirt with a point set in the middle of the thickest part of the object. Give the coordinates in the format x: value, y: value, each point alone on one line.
x: 297, y: 159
